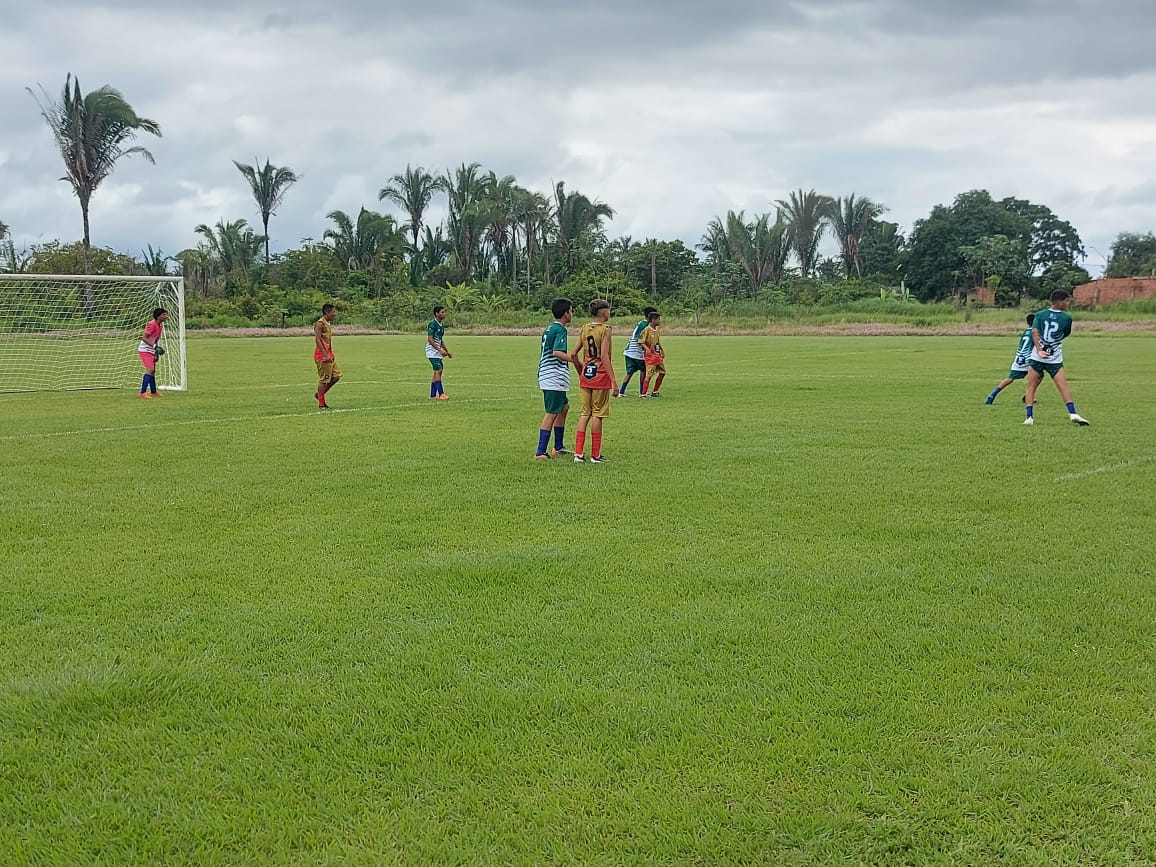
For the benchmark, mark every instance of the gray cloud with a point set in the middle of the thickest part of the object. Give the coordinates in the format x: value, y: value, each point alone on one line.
x: 671, y: 112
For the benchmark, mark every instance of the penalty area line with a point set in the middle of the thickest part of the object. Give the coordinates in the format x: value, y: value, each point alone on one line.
x: 1099, y: 471
x: 233, y: 418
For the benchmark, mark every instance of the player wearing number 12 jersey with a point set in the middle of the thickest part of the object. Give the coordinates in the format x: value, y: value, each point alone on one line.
x: 1049, y: 329
x: 596, y: 377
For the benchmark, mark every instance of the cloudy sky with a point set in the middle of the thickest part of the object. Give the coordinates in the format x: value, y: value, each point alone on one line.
x: 671, y: 111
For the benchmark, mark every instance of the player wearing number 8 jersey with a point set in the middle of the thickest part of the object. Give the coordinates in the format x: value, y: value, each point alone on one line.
x: 1049, y: 328
x: 592, y: 358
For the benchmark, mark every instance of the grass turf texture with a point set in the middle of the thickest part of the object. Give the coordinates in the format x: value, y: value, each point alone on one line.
x: 823, y: 606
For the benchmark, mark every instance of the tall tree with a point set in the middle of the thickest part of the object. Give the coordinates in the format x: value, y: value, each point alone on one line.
x: 3, y: 230
x: 366, y: 243
x: 579, y: 222
x: 936, y: 266
x: 233, y: 246
x: 91, y: 132
x: 760, y: 247
x: 269, y: 184
x: 1132, y: 255
x: 466, y: 189
x: 850, y: 219
x: 411, y: 191
x: 806, y: 218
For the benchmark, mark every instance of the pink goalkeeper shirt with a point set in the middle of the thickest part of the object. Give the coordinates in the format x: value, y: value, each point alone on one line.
x: 153, y: 331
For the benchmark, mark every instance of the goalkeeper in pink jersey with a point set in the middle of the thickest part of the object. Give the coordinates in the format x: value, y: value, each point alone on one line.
x: 149, y: 349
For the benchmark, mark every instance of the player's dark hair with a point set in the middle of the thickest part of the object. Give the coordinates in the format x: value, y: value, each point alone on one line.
x: 561, y: 307
x: 1031, y: 318
x: 325, y: 308
x: 646, y: 311
x: 1059, y: 295
x: 439, y: 307
x: 652, y: 315
x: 598, y: 304
x: 157, y: 313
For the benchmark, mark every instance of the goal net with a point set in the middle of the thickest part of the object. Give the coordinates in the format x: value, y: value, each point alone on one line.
x: 60, y: 332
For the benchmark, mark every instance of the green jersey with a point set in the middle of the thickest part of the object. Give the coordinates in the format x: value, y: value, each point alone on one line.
x: 1053, y: 326
x: 553, y: 372
x: 1023, y: 351
x: 437, y: 331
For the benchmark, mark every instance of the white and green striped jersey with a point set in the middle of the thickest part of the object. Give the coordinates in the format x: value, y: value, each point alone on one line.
x: 553, y: 372
x: 1053, y: 326
x: 1023, y: 351
x: 437, y: 331
x: 633, y: 347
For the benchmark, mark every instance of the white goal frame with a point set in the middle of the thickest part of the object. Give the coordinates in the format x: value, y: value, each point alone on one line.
x: 172, y: 367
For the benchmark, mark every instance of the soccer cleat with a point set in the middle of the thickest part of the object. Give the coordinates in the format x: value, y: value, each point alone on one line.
x: 578, y: 459
x: 443, y: 397
x: 145, y: 395
x: 644, y: 396
x: 601, y: 459
x: 656, y: 394
x: 557, y: 453
x: 990, y: 400
x: 1029, y: 420
x: 616, y: 394
x: 324, y: 406
x: 1079, y: 419
x: 542, y: 457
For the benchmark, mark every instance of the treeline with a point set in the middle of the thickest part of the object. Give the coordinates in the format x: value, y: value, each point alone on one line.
x: 504, y: 246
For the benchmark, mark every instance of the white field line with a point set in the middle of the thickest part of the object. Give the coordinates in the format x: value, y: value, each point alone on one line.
x: 232, y: 418
x: 1099, y: 471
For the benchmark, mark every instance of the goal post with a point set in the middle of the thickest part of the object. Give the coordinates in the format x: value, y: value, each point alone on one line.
x: 67, y: 332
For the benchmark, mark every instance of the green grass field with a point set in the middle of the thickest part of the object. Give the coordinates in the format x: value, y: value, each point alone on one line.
x: 822, y: 606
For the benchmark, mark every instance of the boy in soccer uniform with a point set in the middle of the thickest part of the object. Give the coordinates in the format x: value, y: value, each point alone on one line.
x: 328, y: 373
x: 1019, y: 368
x: 1049, y: 329
x: 655, y: 354
x: 596, y: 376
x: 147, y: 350
x: 435, y: 351
x: 635, y: 357
x: 554, y: 380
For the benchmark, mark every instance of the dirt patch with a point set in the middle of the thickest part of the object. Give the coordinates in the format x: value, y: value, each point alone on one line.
x: 776, y: 329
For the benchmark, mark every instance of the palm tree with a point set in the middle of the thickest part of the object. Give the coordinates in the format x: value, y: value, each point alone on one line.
x: 760, y: 248
x: 154, y: 262
x: 233, y: 246
x: 363, y: 244
x: 579, y: 221
x: 91, y: 131
x: 466, y: 189
x: 806, y: 216
x: 716, y: 244
x: 269, y: 184
x: 412, y: 192
x: 850, y: 219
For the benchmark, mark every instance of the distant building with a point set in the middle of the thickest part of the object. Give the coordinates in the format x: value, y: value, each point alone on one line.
x: 1114, y: 290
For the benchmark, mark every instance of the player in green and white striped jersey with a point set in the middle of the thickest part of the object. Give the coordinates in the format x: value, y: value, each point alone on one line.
x: 1019, y: 368
x: 554, y: 380
x: 635, y: 356
x: 1049, y: 329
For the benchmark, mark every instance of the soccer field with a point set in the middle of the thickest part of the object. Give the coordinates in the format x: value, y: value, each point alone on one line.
x: 822, y: 605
